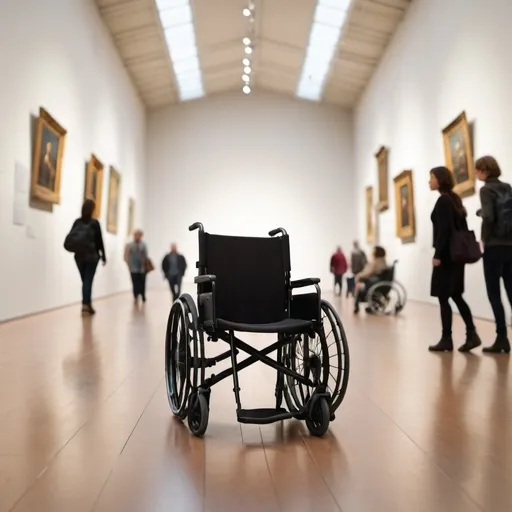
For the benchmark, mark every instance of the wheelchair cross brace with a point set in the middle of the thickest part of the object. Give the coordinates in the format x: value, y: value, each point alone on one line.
x: 255, y: 356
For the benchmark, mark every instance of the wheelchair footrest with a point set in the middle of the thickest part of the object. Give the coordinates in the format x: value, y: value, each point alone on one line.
x: 262, y: 416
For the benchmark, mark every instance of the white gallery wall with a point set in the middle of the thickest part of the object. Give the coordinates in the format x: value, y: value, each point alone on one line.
x: 246, y: 164
x: 448, y: 56
x: 58, y: 55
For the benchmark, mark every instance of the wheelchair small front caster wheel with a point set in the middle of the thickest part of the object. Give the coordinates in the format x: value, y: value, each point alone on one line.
x: 319, y: 417
x: 198, y: 413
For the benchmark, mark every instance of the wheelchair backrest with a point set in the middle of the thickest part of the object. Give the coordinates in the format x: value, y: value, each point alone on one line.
x: 252, y: 276
x: 387, y: 274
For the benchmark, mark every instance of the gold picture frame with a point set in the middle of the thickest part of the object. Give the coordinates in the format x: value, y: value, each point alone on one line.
x: 114, y: 188
x: 404, y: 202
x: 458, y: 153
x: 370, y: 228
x: 382, y: 170
x: 94, y: 183
x: 48, y: 154
x: 131, y: 216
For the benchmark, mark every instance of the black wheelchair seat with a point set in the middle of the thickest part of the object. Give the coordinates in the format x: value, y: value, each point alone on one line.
x: 286, y: 326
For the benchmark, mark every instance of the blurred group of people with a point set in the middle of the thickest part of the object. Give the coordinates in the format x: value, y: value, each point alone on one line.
x: 361, y: 273
x: 85, y: 241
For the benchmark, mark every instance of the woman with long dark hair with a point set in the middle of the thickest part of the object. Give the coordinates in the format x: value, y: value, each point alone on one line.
x: 447, y: 276
x: 89, y: 253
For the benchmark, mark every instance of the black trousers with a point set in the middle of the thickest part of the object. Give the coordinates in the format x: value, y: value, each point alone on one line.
x: 447, y: 314
x: 498, y: 266
x: 87, y: 271
x: 175, y: 284
x: 338, y: 281
x: 139, y: 284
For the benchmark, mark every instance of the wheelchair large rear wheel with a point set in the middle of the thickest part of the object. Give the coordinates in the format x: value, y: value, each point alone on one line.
x: 339, y: 356
x: 338, y: 361
x: 308, y: 356
x: 386, y: 298
x: 183, y: 362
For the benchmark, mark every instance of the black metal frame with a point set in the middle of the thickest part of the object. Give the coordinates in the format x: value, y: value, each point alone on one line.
x: 207, y: 321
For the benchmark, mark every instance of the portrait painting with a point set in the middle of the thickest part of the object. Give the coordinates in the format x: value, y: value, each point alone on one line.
x: 404, y: 202
x: 459, y: 155
x: 370, y: 231
x: 94, y: 183
x: 114, y: 188
x: 382, y: 169
x: 50, y: 138
x: 131, y: 216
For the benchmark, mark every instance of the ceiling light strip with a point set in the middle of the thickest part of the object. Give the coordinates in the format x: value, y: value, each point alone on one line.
x: 248, y: 12
x: 178, y: 25
x: 329, y: 19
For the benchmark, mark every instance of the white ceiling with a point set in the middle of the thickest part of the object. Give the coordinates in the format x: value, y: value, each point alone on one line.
x: 282, y: 35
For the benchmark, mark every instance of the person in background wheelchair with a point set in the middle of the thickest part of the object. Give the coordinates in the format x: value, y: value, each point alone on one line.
x: 369, y: 275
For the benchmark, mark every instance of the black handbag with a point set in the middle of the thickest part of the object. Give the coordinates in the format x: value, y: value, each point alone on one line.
x: 464, y: 247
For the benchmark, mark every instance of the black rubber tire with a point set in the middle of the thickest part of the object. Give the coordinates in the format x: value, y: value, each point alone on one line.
x: 319, y: 417
x: 343, y: 355
x: 177, y: 361
x: 198, y: 414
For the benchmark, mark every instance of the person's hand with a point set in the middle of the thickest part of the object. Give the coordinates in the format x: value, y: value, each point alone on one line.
x: 436, y: 262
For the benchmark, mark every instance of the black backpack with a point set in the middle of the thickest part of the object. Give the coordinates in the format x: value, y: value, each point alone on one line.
x: 80, y: 240
x: 503, y: 210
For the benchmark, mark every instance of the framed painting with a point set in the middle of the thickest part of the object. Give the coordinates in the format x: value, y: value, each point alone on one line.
x: 370, y: 231
x: 404, y: 201
x: 458, y: 155
x: 48, y: 152
x: 131, y: 216
x: 94, y: 183
x: 114, y: 187
x: 382, y: 169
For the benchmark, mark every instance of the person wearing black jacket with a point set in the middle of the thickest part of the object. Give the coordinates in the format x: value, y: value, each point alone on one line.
x: 448, y: 277
x: 174, y: 266
x: 497, y: 247
x: 87, y: 261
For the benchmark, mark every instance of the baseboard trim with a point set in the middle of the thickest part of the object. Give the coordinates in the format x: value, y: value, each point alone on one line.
x: 57, y: 308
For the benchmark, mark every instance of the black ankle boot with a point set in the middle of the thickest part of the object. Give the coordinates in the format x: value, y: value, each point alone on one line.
x: 500, y: 345
x: 445, y: 345
x: 472, y: 341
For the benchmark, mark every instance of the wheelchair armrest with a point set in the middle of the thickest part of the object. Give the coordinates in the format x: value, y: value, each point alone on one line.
x: 301, y: 283
x: 206, y: 278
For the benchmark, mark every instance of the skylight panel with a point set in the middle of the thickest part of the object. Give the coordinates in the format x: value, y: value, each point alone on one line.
x: 329, y: 18
x: 177, y: 21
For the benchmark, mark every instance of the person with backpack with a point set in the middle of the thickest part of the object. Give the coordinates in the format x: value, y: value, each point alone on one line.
x: 85, y: 240
x: 496, y: 214
x: 448, y: 218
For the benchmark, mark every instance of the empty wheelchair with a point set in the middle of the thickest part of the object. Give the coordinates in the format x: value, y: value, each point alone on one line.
x: 386, y: 296
x: 243, y: 285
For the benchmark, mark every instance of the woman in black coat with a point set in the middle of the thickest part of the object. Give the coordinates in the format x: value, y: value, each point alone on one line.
x: 448, y: 277
x: 87, y: 260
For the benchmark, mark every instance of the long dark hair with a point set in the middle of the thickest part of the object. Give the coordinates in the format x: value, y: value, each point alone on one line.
x: 88, y: 209
x: 446, y: 183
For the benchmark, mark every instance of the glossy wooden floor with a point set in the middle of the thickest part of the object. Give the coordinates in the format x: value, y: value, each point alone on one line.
x: 85, y: 425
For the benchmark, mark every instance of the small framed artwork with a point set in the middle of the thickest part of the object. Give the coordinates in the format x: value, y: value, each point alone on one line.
x: 382, y: 169
x: 48, y: 152
x: 370, y: 230
x: 131, y: 216
x: 459, y: 155
x: 94, y: 183
x: 114, y: 187
x: 404, y: 201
